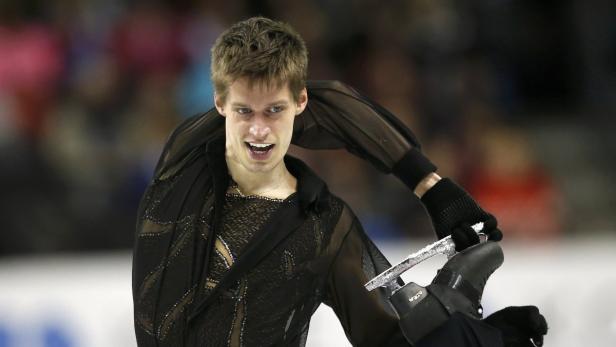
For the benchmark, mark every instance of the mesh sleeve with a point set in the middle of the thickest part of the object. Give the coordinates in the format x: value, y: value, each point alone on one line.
x: 188, y: 136
x: 337, y: 116
x: 365, y: 316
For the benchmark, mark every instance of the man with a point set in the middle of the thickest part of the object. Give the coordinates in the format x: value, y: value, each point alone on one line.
x: 238, y: 243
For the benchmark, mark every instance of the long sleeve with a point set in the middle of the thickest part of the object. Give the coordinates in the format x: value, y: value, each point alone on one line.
x: 365, y: 316
x: 337, y: 116
x: 190, y: 135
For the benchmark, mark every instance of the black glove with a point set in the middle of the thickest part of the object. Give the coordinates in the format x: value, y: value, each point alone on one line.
x: 454, y: 211
x: 521, y: 326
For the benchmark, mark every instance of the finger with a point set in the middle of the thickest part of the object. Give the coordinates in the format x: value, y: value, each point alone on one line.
x: 539, y: 325
x: 464, y: 236
x: 495, y: 235
x: 536, y: 325
x: 470, y: 233
x: 537, y: 322
x: 490, y: 229
x: 460, y: 239
x: 490, y: 223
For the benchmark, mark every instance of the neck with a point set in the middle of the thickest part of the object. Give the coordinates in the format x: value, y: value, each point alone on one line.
x: 278, y: 183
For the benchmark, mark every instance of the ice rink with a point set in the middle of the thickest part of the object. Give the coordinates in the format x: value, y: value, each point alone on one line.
x: 85, y: 300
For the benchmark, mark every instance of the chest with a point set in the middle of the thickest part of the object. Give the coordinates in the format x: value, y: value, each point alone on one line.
x: 242, y: 224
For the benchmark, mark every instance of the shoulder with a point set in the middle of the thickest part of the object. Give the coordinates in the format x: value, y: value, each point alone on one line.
x: 319, y: 86
x: 315, y: 196
x: 341, y: 219
x: 327, y: 93
x: 345, y: 215
x: 191, y: 134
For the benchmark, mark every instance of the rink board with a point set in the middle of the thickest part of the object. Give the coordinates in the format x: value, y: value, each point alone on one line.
x: 85, y: 300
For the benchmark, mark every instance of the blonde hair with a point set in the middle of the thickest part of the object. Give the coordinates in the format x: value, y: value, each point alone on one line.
x: 264, y: 51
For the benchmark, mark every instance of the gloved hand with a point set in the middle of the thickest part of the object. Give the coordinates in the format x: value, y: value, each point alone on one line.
x: 454, y: 211
x: 521, y: 326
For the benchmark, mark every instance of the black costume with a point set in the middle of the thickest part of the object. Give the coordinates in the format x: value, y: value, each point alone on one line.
x: 214, y: 268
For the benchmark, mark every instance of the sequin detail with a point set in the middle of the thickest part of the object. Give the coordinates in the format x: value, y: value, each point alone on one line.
x: 172, y: 315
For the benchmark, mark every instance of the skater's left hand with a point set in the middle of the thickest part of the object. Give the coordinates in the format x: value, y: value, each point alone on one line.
x: 454, y: 211
x: 520, y: 326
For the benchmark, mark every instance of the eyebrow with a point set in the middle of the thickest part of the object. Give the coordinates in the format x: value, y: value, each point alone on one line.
x: 278, y: 102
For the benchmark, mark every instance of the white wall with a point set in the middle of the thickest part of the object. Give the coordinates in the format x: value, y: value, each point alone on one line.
x: 86, y: 300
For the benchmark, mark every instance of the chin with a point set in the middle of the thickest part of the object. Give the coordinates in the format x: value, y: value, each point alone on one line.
x: 262, y: 167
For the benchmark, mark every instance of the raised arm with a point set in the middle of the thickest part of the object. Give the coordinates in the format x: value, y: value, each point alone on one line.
x: 338, y: 116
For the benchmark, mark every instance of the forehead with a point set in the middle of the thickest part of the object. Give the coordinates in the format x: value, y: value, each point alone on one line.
x: 252, y: 92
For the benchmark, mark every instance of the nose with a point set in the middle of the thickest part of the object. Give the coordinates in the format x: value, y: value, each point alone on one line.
x: 259, y: 128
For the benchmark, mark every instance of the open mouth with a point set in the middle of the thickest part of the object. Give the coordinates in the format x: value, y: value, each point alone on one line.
x: 259, y: 150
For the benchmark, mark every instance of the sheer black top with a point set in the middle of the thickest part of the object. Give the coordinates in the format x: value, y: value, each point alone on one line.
x: 214, y: 268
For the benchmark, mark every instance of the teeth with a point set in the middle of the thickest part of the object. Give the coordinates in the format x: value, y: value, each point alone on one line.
x: 260, y: 145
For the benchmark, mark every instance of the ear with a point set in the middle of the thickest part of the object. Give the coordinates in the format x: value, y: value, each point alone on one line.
x: 302, y: 101
x: 219, y: 103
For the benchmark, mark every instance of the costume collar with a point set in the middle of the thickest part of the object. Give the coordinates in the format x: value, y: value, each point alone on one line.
x: 311, y: 190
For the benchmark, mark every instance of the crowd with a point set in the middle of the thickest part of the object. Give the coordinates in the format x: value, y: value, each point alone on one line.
x: 90, y: 90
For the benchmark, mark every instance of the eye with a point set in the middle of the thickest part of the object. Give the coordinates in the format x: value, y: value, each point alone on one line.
x: 276, y: 109
x: 243, y: 110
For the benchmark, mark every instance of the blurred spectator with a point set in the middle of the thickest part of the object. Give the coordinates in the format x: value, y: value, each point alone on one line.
x: 147, y: 40
x: 31, y: 63
x: 89, y: 91
x: 508, y: 182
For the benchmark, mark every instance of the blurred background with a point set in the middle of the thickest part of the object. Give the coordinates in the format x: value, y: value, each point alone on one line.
x: 513, y: 99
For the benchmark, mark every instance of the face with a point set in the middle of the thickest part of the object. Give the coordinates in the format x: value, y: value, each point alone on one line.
x: 259, y: 124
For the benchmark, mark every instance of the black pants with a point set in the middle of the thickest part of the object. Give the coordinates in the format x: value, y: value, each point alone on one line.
x: 462, y: 331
